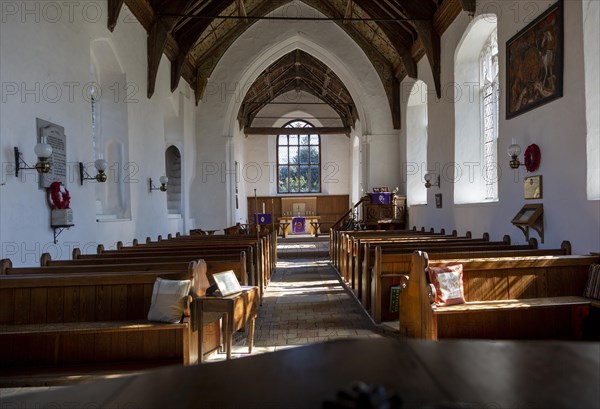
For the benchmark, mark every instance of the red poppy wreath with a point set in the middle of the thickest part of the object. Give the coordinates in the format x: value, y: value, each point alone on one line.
x: 532, y: 157
x: 58, y: 196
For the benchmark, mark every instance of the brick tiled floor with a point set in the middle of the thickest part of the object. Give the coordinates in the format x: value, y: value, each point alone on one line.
x: 304, y: 303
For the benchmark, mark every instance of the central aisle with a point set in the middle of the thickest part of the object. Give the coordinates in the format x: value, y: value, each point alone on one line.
x: 305, y: 302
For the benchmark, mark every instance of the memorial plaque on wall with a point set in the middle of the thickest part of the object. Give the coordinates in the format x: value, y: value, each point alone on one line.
x: 54, y: 135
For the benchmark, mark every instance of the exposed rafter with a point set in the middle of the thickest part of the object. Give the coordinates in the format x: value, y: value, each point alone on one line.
x: 114, y: 9
x: 158, y: 35
x: 298, y: 131
x: 195, y: 34
x: 241, y: 8
x: 187, y: 35
x: 298, y: 71
x: 469, y: 6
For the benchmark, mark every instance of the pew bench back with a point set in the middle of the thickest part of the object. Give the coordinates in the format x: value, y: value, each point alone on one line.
x: 507, y: 297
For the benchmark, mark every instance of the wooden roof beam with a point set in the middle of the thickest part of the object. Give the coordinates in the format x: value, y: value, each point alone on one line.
x: 348, y: 13
x: 325, y: 130
x: 374, y: 10
x: 189, y: 34
x: 158, y: 35
x: 114, y: 9
x: 241, y: 8
x: 423, y: 22
x: 469, y: 6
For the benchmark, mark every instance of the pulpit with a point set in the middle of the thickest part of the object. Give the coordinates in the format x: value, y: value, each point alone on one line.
x: 384, y: 211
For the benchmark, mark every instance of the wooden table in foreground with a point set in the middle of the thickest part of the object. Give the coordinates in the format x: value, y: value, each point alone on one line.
x: 237, y: 309
x: 442, y: 374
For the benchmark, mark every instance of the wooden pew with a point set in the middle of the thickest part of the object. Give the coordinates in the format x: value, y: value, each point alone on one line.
x: 352, y: 265
x: 91, y: 322
x: 365, y: 255
x: 347, y: 246
x: 213, y: 266
x: 337, y: 238
x: 351, y: 249
x: 507, y: 298
x: 392, y: 266
x: 262, y: 255
x: 244, y: 276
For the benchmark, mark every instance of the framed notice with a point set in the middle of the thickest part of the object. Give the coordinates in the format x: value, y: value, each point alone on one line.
x: 54, y: 135
x: 532, y: 187
x: 227, y: 282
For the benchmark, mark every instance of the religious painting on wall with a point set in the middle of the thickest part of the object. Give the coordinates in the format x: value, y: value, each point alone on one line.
x: 534, y: 63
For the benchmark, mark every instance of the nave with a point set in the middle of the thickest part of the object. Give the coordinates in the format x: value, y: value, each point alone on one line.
x: 314, y: 343
x: 306, y: 302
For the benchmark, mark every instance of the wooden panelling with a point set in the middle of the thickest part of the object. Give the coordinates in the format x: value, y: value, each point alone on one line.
x: 330, y: 208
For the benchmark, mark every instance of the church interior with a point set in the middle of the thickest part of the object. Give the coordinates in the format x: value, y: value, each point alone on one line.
x: 350, y: 196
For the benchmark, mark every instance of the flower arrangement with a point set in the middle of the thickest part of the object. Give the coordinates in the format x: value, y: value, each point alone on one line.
x: 58, y: 196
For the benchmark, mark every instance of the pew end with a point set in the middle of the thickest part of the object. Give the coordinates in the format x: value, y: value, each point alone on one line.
x: 5, y: 264
x: 46, y: 258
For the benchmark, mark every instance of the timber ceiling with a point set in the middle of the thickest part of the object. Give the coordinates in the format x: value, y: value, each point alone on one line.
x: 298, y: 71
x: 195, y: 34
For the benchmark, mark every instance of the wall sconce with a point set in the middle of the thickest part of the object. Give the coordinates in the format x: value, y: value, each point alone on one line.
x: 429, y: 177
x: 100, y: 165
x: 163, y: 184
x: 531, y: 157
x: 43, y: 151
x: 514, y: 150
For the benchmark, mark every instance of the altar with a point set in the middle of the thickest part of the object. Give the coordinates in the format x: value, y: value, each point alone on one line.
x: 301, y: 224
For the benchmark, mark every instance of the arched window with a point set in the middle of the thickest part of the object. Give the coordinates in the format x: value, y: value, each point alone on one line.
x: 490, y: 93
x: 476, y: 113
x: 591, y: 31
x: 416, y: 144
x: 110, y: 131
x: 173, y: 172
x: 298, y: 161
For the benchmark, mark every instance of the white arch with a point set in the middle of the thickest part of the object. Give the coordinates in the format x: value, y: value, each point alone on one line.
x: 294, y: 42
x: 104, y: 55
x: 474, y: 36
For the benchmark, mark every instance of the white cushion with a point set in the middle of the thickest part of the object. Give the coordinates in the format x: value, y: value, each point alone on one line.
x: 167, y: 300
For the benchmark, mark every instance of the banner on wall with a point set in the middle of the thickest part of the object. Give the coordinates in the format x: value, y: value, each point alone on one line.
x: 263, y: 218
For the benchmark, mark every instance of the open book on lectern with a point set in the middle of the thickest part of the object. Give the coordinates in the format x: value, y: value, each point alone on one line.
x: 227, y: 282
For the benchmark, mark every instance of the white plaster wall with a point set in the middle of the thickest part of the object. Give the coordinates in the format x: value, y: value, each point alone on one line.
x: 260, y: 46
x: 42, y: 52
x: 559, y: 128
x: 383, y: 161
